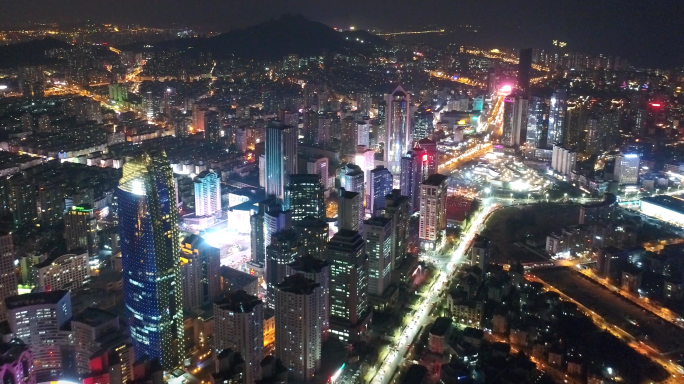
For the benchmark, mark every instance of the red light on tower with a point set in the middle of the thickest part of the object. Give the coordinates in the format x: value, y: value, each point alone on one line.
x: 655, y: 104
x: 424, y: 158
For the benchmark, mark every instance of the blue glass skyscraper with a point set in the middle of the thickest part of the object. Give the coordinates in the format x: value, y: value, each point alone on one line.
x: 150, y: 251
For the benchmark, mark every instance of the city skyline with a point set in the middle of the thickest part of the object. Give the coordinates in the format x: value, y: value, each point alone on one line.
x: 595, y: 27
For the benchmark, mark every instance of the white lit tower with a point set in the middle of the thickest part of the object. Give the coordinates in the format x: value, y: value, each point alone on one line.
x: 398, y: 128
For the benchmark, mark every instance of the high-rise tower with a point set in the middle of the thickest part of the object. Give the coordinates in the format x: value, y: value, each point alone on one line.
x: 281, y: 157
x: 397, y: 128
x: 150, y: 250
x: 207, y: 194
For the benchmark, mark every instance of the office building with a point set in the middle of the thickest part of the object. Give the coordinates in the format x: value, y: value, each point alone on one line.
x: 283, y: 250
x: 398, y: 208
x: 8, y: 275
x: 626, y: 168
x: 317, y: 271
x: 319, y: 166
x: 239, y: 325
x: 412, y: 176
x: 298, y: 326
x: 349, y: 310
x: 380, y: 185
x: 200, y: 266
x: 352, y: 179
x: 397, y: 128
x: 39, y: 320
x: 313, y: 236
x: 67, y: 272
x: 207, y: 194
x: 80, y: 229
x: 537, y: 129
x: 305, y: 198
x: 150, y: 252
x: 432, y: 222
x: 428, y: 157
x: 524, y: 70
x: 557, y: 124
x: 275, y: 220
x: 377, y: 233
x: 94, y: 330
x: 423, y: 124
x: 281, y: 157
x: 350, y: 211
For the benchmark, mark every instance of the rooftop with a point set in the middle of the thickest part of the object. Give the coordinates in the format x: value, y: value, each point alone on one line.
x: 308, y: 264
x: 672, y: 203
x: 298, y: 285
x: 435, y: 179
x: 441, y: 326
x: 94, y: 317
x: 52, y: 297
x: 238, y: 302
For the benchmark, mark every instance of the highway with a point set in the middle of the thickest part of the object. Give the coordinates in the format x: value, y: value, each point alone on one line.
x: 421, y: 316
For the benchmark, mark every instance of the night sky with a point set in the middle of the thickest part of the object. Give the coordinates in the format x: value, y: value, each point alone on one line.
x: 646, y: 32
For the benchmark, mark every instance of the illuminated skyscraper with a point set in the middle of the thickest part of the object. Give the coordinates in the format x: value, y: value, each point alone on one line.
x: 150, y: 251
x: 422, y: 124
x: 319, y: 166
x: 38, y: 319
x: 398, y: 208
x: 202, y: 265
x: 428, y: 157
x: 281, y: 157
x: 508, y: 134
x: 412, y: 175
x: 432, y: 223
x: 318, y: 271
x: 377, y: 234
x: 305, y: 198
x: 557, y: 110
x: 207, y: 194
x: 298, y: 326
x: 283, y: 250
x: 80, y: 229
x: 537, y: 130
x: 350, y: 212
x: 313, y: 236
x: 349, y: 310
x: 627, y: 168
x: 380, y: 184
x: 397, y: 128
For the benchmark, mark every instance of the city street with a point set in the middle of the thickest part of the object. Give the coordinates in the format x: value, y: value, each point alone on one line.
x: 421, y: 317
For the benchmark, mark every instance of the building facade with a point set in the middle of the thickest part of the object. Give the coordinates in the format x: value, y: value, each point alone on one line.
x: 150, y: 252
